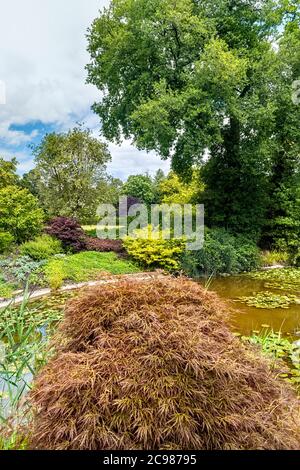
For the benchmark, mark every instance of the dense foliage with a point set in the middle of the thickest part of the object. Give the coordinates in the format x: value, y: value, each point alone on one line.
x: 155, y: 252
x: 153, y: 365
x: 6, y: 240
x: 20, y: 214
x: 203, y: 84
x: 42, y: 247
x: 68, y: 169
x: 173, y: 190
x: 140, y: 187
x: 8, y: 175
x: 222, y: 253
x: 69, y: 232
x: 109, y: 190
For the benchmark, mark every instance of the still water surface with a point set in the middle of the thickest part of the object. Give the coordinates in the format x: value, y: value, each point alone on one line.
x: 245, y: 319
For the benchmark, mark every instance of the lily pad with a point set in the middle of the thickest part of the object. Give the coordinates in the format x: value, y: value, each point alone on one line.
x: 269, y: 300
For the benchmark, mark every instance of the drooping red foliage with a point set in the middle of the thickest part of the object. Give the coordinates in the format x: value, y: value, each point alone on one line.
x: 69, y: 232
x: 96, y: 244
x: 153, y: 365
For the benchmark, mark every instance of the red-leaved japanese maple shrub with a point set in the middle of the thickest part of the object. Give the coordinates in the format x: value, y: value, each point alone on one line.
x: 69, y: 232
x: 154, y: 365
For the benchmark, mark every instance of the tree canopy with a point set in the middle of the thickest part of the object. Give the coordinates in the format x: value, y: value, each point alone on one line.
x: 69, y: 168
x: 140, y: 187
x: 190, y: 79
x: 8, y: 175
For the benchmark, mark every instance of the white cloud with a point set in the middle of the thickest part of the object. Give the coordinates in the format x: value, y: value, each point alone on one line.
x: 43, y: 55
x: 43, y: 58
x: 128, y: 161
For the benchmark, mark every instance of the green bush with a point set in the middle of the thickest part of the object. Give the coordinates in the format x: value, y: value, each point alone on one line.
x: 42, y: 247
x: 55, y: 273
x: 296, y: 259
x: 221, y: 253
x: 6, y: 240
x: 20, y: 214
x: 285, y: 232
x: 155, y: 253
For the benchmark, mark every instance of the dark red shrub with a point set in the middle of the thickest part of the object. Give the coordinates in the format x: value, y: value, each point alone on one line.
x: 96, y: 244
x: 69, y: 232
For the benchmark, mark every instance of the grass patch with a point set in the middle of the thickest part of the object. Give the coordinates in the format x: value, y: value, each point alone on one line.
x: 6, y: 288
x: 273, y: 258
x: 85, y: 266
x: 91, y: 230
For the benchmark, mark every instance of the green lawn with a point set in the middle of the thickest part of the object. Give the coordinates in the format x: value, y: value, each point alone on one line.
x: 84, y: 266
x: 91, y: 230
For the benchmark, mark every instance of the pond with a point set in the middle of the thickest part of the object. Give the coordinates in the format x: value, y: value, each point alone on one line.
x: 246, y: 319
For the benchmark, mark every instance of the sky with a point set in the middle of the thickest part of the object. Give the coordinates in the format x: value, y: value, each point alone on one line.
x: 42, y: 76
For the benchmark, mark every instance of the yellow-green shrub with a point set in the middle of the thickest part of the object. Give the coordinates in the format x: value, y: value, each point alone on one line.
x: 154, y: 253
x: 55, y: 274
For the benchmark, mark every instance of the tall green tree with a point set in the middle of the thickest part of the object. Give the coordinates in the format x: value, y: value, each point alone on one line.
x: 21, y: 218
x: 70, y: 167
x: 158, y: 179
x: 282, y: 229
x: 140, y: 187
x: 193, y: 78
x: 175, y: 191
x: 109, y: 190
x: 8, y: 175
x: 31, y: 181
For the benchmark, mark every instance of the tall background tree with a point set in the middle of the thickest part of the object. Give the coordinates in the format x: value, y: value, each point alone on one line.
x: 283, y: 216
x: 140, y: 187
x: 69, y: 169
x: 196, y: 78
